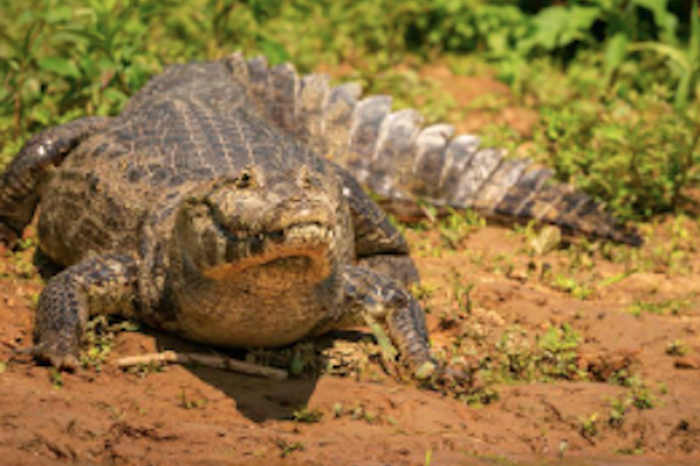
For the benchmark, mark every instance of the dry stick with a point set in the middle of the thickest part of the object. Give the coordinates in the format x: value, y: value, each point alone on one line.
x: 208, y: 360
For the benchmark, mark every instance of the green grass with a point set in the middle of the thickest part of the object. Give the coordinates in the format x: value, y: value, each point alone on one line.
x: 612, y: 82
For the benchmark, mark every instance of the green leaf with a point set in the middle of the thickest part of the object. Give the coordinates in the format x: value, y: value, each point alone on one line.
x: 549, y: 23
x: 683, y: 91
x: 558, y: 26
x: 615, y: 51
x: 273, y: 50
x: 664, y: 19
x: 58, y: 14
x: 59, y: 66
x: 694, y: 43
x: 582, y: 18
x: 678, y: 56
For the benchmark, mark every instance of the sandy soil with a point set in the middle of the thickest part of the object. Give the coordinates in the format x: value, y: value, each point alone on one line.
x: 631, y: 397
x: 204, y: 416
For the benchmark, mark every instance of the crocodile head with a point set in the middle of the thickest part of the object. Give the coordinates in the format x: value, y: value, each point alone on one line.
x: 284, y: 219
x: 256, y: 259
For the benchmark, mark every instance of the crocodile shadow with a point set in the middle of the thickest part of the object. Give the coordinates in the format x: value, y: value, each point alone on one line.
x: 257, y: 398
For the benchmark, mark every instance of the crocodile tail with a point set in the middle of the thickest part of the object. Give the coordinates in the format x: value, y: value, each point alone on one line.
x: 407, y: 165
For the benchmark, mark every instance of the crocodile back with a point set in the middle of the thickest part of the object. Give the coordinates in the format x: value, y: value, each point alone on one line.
x: 189, y: 126
x: 406, y: 164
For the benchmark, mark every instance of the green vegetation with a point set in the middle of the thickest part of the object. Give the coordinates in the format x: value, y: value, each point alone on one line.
x: 638, y: 396
x: 612, y: 86
x: 359, y: 412
x: 287, y: 448
x: 673, y: 307
x: 56, y: 377
x: 307, y: 415
x: 611, y: 81
x: 589, y: 426
x: 457, y: 226
x: 99, y: 338
x: 187, y: 401
x: 677, y: 348
x: 552, y: 357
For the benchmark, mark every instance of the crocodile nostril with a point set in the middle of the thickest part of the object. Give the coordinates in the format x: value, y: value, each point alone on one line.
x: 245, y: 180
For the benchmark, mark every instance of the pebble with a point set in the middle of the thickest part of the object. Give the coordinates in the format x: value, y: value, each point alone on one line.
x: 687, y: 362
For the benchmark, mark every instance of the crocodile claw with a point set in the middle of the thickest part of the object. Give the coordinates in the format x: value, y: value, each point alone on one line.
x: 444, y: 379
x: 60, y: 356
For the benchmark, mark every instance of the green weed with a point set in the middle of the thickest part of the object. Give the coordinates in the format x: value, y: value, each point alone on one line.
x: 287, y: 448
x: 605, y: 125
x: 637, y: 154
x: 187, y: 401
x: 638, y: 396
x: 99, y: 338
x: 558, y: 346
x: 457, y: 226
x: 589, y: 426
x: 672, y: 307
x: 307, y: 415
x: 677, y: 348
x: 573, y: 287
x: 553, y: 356
x: 56, y: 378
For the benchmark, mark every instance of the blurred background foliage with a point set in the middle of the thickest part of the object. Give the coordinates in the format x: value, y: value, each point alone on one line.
x: 614, y: 83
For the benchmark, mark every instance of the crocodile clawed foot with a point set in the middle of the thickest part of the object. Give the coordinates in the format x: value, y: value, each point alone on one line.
x: 60, y: 356
x: 452, y: 380
x: 444, y: 378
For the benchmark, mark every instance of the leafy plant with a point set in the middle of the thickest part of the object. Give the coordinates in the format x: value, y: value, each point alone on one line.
x: 458, y: 225
x: 683, y: 60
x: 677, y: 348
x: 559, y: 356
x: 307, y: 415
x: 639, y: 155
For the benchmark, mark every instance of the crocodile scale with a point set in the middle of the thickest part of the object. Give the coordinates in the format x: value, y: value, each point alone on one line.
x: 225, y: 204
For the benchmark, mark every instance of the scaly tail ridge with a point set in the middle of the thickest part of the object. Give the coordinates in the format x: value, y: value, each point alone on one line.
x: 402, y: 162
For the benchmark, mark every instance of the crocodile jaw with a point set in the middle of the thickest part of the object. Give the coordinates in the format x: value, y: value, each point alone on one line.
x: 275, y: 291
x: 309, y: 241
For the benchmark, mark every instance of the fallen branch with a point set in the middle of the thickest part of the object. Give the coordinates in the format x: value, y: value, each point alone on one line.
x: 209, y: 360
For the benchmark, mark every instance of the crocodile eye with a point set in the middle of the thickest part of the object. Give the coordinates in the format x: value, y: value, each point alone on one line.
x: 244, y: 181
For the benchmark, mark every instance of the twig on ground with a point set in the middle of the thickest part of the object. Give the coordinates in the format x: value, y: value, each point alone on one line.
x: 209, y: 360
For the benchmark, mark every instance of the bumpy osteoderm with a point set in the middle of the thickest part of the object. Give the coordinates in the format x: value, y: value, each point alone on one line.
x: 399, y: 159
x: 225, y: 204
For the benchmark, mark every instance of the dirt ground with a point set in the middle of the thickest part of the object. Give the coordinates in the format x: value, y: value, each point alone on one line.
x: 625, y: 392
x: 204, y: 416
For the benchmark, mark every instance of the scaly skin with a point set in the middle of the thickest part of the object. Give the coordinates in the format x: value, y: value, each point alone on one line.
x: 193, y: 214
x: 224, y: 205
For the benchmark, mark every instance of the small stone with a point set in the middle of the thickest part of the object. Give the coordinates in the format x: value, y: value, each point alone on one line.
x: 519, y: 275
x: 687, y: 362
x: 548, y: 239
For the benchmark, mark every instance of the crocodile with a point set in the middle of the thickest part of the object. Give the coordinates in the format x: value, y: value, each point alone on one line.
x: 227, y: 204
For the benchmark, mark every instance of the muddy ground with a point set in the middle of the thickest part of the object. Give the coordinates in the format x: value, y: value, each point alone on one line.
x: 580, y: 354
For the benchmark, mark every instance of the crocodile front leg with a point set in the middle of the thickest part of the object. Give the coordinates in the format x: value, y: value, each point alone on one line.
x: 21, y: 183
x: 101, y: 285
x: 379, y: 245
x: 387, y: 302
